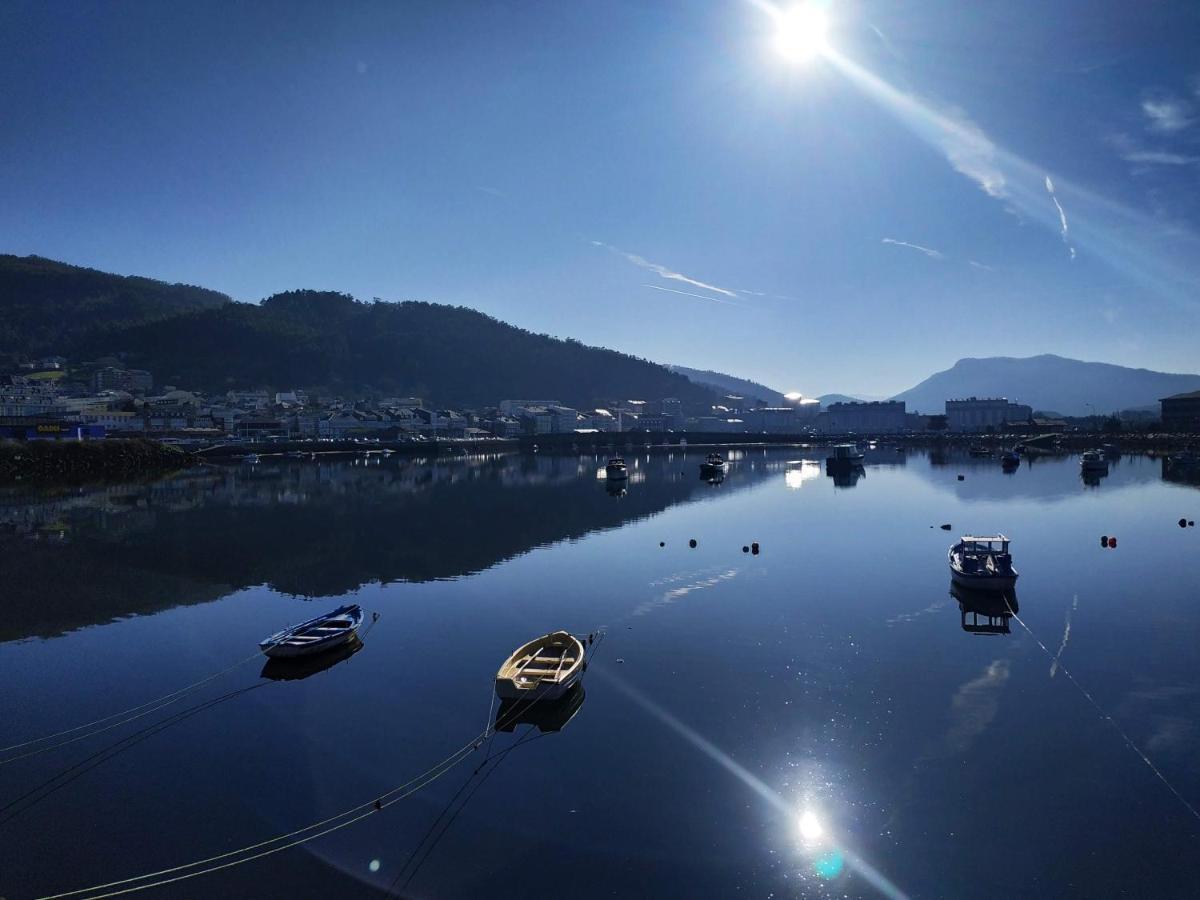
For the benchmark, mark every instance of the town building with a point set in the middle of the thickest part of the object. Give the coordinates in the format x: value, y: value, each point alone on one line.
x: 975, y: 414
x: 1181, y: 412
x: 882, y: 417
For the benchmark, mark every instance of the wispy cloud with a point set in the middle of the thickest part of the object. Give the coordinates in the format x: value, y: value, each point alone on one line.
x: 979, y: 265
x: 932, y: 254
x: 1132, y: 151
x: 970, y: 151
x: 495, y: 192
x: 664, y: 272
x: 1062, y: 217
x: 1166, y: 112
x: 667, y: 290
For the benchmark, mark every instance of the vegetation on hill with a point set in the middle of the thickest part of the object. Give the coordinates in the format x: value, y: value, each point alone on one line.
x: 326, y: 340
x: 728, y: 384
x: 47, y: 306
x: 200, y: 339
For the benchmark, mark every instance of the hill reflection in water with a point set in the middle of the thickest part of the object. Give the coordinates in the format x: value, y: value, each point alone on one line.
x: 79, y: 556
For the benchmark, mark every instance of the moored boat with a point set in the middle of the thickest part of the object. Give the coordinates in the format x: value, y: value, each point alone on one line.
x: 1009, y: 459
x: 317, y: 635
x: 982, y: 563
x: 844, y: 456
x: 544, y: 668
x: 978, y: 450
x: 616, y: 470
x: 1092, y: 461
x: 714, y: 464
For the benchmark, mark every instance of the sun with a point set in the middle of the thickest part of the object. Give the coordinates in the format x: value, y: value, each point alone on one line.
x: 801, y: 32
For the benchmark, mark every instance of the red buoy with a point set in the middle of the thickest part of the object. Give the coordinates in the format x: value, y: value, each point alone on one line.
x: 1112, y: 542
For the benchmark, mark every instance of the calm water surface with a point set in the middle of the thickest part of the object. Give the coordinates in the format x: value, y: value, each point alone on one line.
x: 815, y: 720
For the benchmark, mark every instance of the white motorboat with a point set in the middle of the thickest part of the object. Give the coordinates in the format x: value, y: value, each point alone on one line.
x: 982, y: 563
x: 316, y: 635
x: 1093, y: 461
x: 544, y: 668
x: 616, y: 470
x: 714, y: 464
x: 844, y: 456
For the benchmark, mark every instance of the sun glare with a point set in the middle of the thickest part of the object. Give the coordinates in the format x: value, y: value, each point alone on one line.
x: 800, y: 32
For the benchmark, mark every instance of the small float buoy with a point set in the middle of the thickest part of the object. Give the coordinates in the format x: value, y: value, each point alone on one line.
x: 745, y: 549
x: 379, y: 805
x: 754, y: 548
x: 692, y: 543
x: 662, y: 543
x: 1183, y: 523
x: 1104, y: 540
x: 1191, y: 523
x: 1112, y: 543
x: 620, y: 659
x: 962, y: 477
x: 946, y: 527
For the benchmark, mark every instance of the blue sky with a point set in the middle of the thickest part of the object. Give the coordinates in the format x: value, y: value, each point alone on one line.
x: 653, y: 177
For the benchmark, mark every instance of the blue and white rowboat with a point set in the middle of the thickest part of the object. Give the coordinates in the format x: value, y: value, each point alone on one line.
x: 316, y: 635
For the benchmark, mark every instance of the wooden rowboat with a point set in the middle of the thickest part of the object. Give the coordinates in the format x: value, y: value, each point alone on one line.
x: 544, y: 668
x: 316, y: 635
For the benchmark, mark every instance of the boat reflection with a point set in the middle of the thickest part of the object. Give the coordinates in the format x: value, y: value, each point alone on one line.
x: 547, y: 716
x: 846, y: 477
x: 301, y: 667
x: 985, y: 612
x: 713, y: 479
x: 616, y: 488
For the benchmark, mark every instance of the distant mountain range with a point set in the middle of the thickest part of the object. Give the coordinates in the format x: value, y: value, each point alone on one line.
x: 201, y: 340
x: 1053, y: 383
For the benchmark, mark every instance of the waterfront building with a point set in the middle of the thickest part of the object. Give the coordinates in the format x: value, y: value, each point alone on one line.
x: 1181, y: 412
x: 974, y: 414
x: 881, y: 417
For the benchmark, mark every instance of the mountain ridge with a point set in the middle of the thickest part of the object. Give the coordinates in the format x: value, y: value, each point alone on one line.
x: 1048, y: 382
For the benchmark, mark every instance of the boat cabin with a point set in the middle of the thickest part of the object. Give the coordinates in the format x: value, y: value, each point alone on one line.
x: 990, y: 545
x: 846, y: 451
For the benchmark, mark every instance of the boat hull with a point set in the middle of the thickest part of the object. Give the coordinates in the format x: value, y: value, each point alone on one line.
x: 285, y: 651
x: 991, y: 583
x: 507, y: 689
x: 617, y: 474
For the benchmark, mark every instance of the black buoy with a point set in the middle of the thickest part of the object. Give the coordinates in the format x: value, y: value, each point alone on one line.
x: 692, y: 543
x: 1183, y: 523
x: 662, y: 543
x: 1191, y: 523
x: 754, y: 548
x: 946, y: 526
x: 745, y: 549
x: 962, y: 477
x: 1104, y: 540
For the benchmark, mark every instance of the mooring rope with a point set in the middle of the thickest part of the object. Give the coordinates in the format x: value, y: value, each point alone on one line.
x: 1105, y: 716
x: 300, y: 835
x: 139, y: 711
x: 134, y: 712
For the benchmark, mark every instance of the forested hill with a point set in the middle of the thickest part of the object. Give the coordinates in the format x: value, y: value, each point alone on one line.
x: 452, y: 355
x: 46, y: 306
x: 200, y: 339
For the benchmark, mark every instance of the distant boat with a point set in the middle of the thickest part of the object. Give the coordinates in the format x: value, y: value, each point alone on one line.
x: 316, y: 635
x: 251, y: 458
x: 978, y: 450
x: 616, y: 470
x: 297, y: 454
x: 1185, y: 460
x: 544, y: 668
x: 844, y: 456
x: 1092, y: 461
x: 714, y: 464
x: 982, y: 563
x: 1009, y: 459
